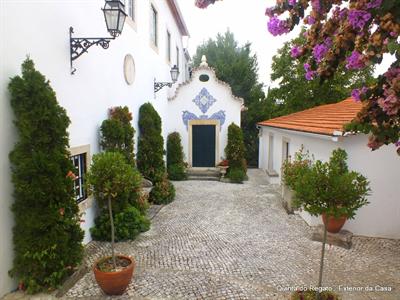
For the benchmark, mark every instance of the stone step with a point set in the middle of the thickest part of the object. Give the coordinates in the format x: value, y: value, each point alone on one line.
x: 206, y: 172
x: 203, y: 178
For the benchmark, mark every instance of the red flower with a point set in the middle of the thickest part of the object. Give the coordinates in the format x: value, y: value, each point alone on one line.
x: 61, y: 211
x: 71, y: 175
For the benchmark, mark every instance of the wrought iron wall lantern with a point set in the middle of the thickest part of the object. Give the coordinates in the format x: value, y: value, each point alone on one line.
x: 114, y: 15
x: 174, y: 76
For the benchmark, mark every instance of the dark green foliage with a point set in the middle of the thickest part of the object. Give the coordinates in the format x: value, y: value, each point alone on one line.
x: 236, y: 65
x: 175, y: 163
x: 236, y: 175
x: 331, y: 188
x: 111, y: 176
x: 234, y: 152
x: 47, y: 236
x: 163, y: 192
x: 296, y: 93
x: 150, y: 156
x: 117, y: 133
x: 128, y: 224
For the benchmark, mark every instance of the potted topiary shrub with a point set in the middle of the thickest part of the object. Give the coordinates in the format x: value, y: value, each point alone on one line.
x: 331, y: 190
x: 110, y: 176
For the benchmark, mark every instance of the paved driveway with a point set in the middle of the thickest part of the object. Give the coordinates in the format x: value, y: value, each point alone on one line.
x: 231, y: 241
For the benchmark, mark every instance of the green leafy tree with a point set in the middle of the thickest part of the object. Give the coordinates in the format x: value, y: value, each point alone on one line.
x: 175, y: 163
x: 296, y: 93
x: 236, y: 65
x: 117, y: 133
x: 150, y: 156
x: 111, y: 177
x: 47, y: 236
x: 234, y: 152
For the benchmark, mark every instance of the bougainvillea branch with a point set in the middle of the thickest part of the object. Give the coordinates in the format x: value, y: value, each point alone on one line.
x: 354, y: 33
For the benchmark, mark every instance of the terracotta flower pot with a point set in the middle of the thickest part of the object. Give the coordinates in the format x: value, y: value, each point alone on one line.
x: 114, y: 283
x: 333, y: 225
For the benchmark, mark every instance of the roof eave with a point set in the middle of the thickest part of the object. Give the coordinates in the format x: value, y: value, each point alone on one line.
x: 176, y: 12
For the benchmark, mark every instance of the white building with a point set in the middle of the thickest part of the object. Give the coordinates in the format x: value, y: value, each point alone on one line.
x: 201, y: 111
x: 320, y: 130
x: 151, y: 43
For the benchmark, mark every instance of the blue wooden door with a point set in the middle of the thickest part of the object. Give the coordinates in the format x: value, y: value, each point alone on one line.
x: 203, y: 145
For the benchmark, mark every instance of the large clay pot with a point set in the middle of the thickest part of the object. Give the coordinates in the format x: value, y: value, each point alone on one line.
x: 114, y: 283
x: 333, y: 225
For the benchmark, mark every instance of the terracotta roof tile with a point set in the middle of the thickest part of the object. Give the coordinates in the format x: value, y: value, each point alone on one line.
x: 324, y: 119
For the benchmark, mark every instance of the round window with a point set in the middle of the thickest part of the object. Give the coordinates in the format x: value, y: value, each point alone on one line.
x: 204, y: 78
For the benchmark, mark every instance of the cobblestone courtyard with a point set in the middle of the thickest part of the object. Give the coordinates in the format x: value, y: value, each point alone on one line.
x: 230, y: 241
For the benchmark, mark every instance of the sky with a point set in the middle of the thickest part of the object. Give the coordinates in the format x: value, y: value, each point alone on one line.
x: 247, y: 22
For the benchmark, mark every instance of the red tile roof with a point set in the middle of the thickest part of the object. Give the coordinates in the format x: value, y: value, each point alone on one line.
x: 324, y: 119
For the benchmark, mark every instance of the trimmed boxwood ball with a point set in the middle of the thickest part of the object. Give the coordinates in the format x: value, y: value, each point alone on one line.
x: 47, y: 236
x: 175, y: 164
x: 150, y: 156
x: 163, y: 192
x: 235, y: 154
x: 128, y: 224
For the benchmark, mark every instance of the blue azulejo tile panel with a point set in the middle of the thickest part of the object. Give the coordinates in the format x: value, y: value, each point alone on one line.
x: 187, y: 116
x: 204, y: 100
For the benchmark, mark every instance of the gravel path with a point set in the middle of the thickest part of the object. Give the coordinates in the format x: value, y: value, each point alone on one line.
x: 234, y: 241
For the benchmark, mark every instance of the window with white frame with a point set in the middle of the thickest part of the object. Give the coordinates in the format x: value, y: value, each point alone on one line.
x: 79, y: 161
x: 270, y: 152
x: 130, y: 9
x: 168, y: 46
x: 153, y: 25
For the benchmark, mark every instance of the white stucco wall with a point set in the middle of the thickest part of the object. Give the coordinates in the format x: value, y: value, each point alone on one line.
x: 183, y: 101
x: 40, y: 29
x: 381, y: 218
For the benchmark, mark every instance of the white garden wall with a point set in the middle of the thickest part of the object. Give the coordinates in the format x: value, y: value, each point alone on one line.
x: 40, y: 29
x: 381, y: 218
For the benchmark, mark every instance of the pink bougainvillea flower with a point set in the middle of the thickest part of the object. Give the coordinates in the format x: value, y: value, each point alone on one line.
x: 358, y: 93
x: 355, y: 61
x: 277, y: 27
x: 295, y: 51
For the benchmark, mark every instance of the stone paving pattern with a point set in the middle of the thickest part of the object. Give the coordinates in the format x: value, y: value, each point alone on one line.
x: 235, y: 241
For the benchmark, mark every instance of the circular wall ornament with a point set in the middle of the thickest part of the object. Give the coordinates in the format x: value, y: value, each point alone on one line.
x: 129, y: 69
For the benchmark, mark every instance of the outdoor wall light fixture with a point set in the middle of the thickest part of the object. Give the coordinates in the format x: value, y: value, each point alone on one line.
x: 174, y: 76
x: 114, y: 15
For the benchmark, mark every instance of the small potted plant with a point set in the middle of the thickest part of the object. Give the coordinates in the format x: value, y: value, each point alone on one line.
x: 223, y: 167
x: 110, y: 176
x: 331, y: 190
x: 310, y: 295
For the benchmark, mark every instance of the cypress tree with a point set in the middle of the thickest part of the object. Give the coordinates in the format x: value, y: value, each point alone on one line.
x: 150, y: 156
x: 175, y: 163
x: 235, y: 154
x: 47, y: 236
